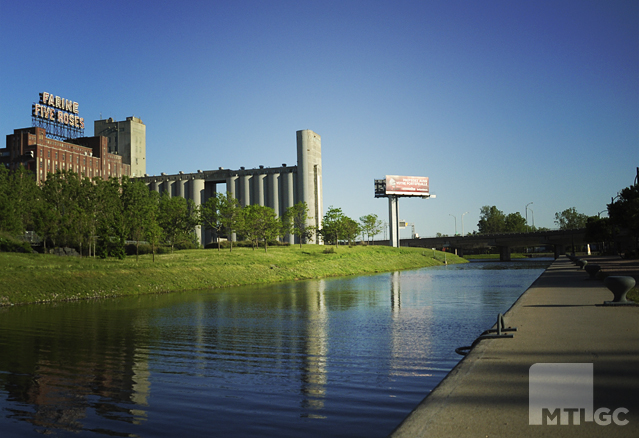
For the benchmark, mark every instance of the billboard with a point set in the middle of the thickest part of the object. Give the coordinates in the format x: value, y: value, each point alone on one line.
x: 407, y: 185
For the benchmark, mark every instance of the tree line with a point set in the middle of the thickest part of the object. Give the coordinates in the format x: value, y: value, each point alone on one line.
x: 622, y: 220
x: 492, y: 220
x: 99, y: 216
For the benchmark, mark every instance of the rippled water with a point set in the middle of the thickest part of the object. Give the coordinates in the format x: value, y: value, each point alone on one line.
x: 340, y: 357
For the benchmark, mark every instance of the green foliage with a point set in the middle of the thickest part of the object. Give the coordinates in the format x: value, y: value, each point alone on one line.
x: 351, y: 229
x: 337, y: 226
x: 332, y: 225
x: 178, y: 218
x: 624, y: 211
x: 570, y: 219
x: 8, y: 243
x: 139, y: 207
x: 229, y: 216
x: 492, y: 220
x: 111, y: 226
x: 295, y: 220
x: 260, y: 223
x: 598, y: 229
x: 210, y: 215
x: 370, y: 225
x: 515, y: 223
x: 18, y: 195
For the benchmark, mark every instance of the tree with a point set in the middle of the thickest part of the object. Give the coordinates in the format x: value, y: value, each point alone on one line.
x: 18, y: 195
x: 371, y: 226
x: 178, y: 218
x: 336, y: 226
x: 247, y: 226
x: 332, y: 225
x: 111, y: 225
x: 624, y: 211
x: 515, y: 222
x: 294, y: 222
x: 570, y: 219
x: 350, y: 229
x: 260, y: 223
x: 137, y: 205
x: 61, y: 194
x: 86, y: 214
x: 229, y: 211
x: 491, y: 220
x: 153, y: 232
x: 210, y: 216
x: 598, y: 230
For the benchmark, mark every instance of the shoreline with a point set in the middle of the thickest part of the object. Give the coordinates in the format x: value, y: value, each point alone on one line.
x: 38, y: 278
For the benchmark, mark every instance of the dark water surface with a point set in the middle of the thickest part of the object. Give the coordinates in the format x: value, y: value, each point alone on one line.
x: 344, y: 357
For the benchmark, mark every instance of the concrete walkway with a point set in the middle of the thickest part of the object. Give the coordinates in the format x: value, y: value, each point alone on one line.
x: 559, y: 320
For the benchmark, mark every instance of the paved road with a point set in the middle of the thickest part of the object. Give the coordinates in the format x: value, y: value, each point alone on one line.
x: 559, y: 320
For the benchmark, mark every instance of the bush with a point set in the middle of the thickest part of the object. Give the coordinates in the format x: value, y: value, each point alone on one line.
x: 225, y: 244
x: 9, y: 243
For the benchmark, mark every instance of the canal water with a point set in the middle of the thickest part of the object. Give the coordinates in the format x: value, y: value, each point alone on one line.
x: 347, y: 357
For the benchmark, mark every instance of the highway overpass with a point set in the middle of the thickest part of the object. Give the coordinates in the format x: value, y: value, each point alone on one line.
x: 559, y: 239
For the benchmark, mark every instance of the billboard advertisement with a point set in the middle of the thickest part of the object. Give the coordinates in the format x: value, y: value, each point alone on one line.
x: 407, y: 185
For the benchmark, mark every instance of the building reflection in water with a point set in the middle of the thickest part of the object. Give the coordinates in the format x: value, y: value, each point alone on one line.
x: 109, y: 365
x: 68, y: 366
x: 314, y: 372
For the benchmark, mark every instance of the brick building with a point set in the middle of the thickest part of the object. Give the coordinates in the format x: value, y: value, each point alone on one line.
x: 86, y: 156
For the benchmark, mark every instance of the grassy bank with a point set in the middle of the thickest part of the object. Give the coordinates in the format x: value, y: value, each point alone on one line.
x: 36, y: 278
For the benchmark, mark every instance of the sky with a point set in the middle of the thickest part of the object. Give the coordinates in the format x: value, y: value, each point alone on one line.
x: 502, y: 103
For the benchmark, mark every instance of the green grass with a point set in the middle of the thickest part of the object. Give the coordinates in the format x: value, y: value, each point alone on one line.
x: 36, y: 278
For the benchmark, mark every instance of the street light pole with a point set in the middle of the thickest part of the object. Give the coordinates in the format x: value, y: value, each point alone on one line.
x: 533, y: 217
x: 462, y: 220
x: 455, y: 223
x: 527, y: 216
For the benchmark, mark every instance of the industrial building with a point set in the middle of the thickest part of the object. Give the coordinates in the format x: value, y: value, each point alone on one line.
x: 56, y: 142
x: 86, y: 156
x: 275, y: 187
x: 127, y: 139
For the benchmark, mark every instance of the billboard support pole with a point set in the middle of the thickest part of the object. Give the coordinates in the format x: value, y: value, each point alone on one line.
x: 393, y: 216
x: 394, y: 187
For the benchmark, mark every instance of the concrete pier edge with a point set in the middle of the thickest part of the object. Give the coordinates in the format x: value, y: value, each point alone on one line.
x: 560, y: 320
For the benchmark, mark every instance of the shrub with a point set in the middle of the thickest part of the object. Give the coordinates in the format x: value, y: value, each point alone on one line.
x: 9, y: 243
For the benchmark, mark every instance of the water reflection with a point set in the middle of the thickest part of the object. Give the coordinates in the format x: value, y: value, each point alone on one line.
x: 59, y: 363
x: 339, y: 357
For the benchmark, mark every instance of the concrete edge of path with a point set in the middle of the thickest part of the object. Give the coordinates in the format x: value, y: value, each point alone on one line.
x: 436, y: 401
x: 561, y: 300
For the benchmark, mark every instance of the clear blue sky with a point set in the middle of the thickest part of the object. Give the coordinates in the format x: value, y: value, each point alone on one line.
x: 497, y: 102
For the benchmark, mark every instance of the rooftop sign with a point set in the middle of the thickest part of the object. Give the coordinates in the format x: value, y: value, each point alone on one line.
x: 57, y: 109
